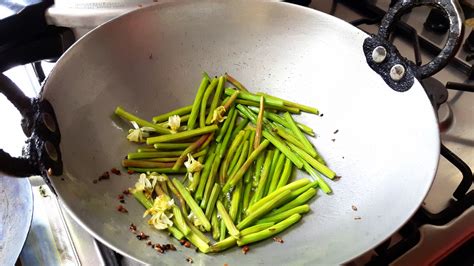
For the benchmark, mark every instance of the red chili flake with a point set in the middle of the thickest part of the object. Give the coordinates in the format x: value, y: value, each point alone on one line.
x: 182, y: 242
x: 122, y: 209
x: 133, y: 227
x: 354, y: 208
x: 158, y: 248
x: 245, y: 249
x: 187, y: 244
x: 278, y: 239
x: 148, y: 243
x: 130, y: 172
x: 115, y: 171
x: 142, y: 236
x: 120, y: 197
x: 104, y: 176
x: 126, y: 192
x: 189, y: 259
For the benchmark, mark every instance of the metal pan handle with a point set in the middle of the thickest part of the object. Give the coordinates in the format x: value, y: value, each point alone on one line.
x: 398, y: 72
x: 452, y: 11
x: 41, y: 155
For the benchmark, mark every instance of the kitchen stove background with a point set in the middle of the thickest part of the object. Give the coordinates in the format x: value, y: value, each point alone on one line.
x: 56, y: 230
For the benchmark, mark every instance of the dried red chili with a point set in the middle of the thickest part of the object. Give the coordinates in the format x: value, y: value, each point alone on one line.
x: 142, y: 236
x: 122, y: 209
x: 115, y: 171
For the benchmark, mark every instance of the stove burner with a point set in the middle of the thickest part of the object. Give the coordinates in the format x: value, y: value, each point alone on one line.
x: 445, y: 117
x: 436, y: 91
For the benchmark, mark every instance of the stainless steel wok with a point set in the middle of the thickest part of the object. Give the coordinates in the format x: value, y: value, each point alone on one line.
x: 150, y: 60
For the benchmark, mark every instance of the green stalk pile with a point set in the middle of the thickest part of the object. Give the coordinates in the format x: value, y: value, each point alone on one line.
x: 238, y: 151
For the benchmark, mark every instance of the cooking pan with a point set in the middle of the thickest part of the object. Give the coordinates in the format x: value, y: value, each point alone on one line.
x: 149, y: 61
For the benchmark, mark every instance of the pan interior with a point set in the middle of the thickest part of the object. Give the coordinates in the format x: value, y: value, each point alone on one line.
x: 150, y: 61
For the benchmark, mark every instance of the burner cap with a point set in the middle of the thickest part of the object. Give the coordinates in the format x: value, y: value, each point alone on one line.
x: 436, y: 91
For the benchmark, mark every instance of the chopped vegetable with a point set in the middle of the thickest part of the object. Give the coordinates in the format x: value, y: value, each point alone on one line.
x: 237, y: 158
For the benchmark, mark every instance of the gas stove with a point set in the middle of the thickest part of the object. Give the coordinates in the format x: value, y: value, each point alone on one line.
x: 441, y: 231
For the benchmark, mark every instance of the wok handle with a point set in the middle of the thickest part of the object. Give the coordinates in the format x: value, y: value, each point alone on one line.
x: 41, y: 155
x: 456, y: 30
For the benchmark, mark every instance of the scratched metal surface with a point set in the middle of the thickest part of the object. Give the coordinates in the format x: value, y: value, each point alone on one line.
x: 16, y: 209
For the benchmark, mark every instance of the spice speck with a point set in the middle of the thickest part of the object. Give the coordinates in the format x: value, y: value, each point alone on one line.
x: 122, y: 209
x: 354, y: 208
x: 104, y: 176
x: 278, y: 239
x: 142, y: 236
x: 245, y: 249
x: 115, y: 171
